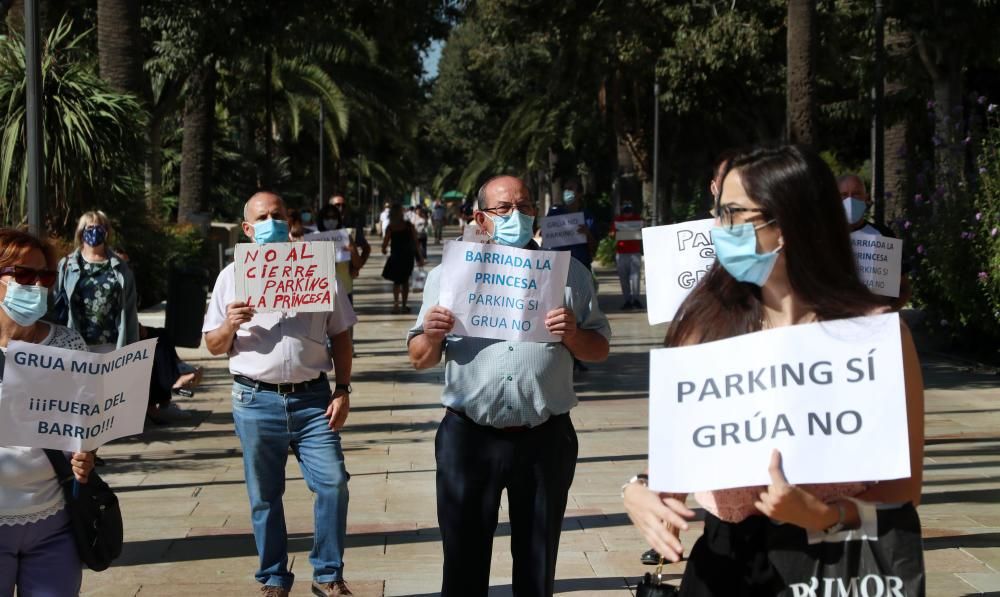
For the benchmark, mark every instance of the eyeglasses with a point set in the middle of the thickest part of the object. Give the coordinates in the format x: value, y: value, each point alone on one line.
x: 726, y: 214
x: 29, y: 275
x: 505, y: 209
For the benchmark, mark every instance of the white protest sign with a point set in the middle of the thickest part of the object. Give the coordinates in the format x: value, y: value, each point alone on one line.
x: 293, y: 277
x: 340, y: 237
x: 73, y: 400
x: 628, y: 230
x: 880, y: 261
x: 829, y: 395
x: 502, y: 292
x: 677, y: 257
x: 563, y: 230
x: 473, y: 233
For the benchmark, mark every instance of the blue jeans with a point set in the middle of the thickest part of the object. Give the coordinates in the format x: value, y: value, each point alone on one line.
x: 267, y: 424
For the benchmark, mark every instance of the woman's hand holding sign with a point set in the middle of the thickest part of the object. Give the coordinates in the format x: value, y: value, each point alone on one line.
x: 660, y: 517
x: 787, y: 503
x: 82, y: 463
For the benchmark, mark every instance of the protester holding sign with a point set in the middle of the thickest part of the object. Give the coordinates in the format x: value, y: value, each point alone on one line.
x: 37, y: 550
x: 573, y: 203
x: 282, y: 400
x: 507, y: 422
x: 857, y: 202
x: 784, y: 258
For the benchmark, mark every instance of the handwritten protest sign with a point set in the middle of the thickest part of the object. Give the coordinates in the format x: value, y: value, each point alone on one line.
x: 628, y: 230
x: 295, y: 277
x: 502, y: 292
x: 340, y: 237
x: 829, y: 395
x: 563, y: 230
x: 73, y: 400
x: 473, y: 233
x: 880, y: 260
x: 684, y: 253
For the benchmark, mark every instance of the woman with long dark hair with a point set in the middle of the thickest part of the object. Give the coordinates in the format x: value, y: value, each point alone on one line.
x: 783, y: 258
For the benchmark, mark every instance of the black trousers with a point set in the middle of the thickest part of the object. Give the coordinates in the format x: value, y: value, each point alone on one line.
x: 166, y: 367
x: 474, y: 465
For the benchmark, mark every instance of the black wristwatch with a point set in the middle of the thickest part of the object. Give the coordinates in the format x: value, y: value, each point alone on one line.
x: 343, y: 386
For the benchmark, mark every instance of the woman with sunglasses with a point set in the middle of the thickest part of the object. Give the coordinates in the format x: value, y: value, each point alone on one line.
x: 783, y: 258
x: 37, y: 551
x: 99, y: 287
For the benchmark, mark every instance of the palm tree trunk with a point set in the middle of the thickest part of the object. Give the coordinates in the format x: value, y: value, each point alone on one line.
x: 196, y: 146
x: 118, y: 46
x: 801, y: 90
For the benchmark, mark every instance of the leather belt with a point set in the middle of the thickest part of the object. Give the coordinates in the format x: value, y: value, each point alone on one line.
x: 280, y: 388
x: 462, y: 415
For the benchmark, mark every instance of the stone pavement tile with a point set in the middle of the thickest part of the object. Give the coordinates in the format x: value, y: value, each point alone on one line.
x: 952, y: 560
x: 984, y: 582
x: 946, y: 584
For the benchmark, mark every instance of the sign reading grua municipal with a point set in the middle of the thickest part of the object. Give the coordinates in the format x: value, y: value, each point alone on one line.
x: 73, y: 400
x: 290, y: 277
x: 830, y: 396
x: 684, y: 254
x: 502, y: 292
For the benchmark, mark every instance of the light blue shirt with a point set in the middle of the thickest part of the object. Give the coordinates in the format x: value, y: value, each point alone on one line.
x: 510, y: 384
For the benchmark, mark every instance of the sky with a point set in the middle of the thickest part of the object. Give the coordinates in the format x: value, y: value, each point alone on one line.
x: 431, y: 58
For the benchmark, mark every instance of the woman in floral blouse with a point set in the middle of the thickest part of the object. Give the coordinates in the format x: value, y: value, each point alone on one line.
x: 100, y: 288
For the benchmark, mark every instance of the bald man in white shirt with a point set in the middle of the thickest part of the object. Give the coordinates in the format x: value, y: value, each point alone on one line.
x: 282, y: 400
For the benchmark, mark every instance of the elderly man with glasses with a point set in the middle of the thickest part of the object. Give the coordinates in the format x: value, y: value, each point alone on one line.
x: 507, y: 423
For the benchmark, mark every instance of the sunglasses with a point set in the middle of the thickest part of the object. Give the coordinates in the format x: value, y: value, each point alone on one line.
x: 29, y: 275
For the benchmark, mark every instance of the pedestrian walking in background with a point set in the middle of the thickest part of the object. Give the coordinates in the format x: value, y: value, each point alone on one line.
x: 628, y: 258
x: 421, y: 221
x: 439, y: 214
x: 37, y: 550
x: 281, y: 401
x: 400, y: 240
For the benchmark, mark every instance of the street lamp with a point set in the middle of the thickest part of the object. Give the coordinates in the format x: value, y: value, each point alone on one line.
x: 33, y: 115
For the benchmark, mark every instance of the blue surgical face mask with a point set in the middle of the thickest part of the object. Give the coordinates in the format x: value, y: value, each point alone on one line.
x: 736, y: 249
x: 307, y: 217
x: 514, y: 230
x: 855, y: 209
x: 95, y: 235
x: 331, y: 224
x: 25, y: 304
x: 270, y: 231
x: 569, y: 197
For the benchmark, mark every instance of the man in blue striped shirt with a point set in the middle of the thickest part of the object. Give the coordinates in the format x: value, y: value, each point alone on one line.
x: 507, y: 423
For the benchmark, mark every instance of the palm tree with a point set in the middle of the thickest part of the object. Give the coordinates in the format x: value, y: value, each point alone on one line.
x: 92, y: 134
x: 196, y: 148
x: 801, y: 86
x: 118, y: 46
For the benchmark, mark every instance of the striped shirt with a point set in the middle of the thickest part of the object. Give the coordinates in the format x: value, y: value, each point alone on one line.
x: 498, y: 383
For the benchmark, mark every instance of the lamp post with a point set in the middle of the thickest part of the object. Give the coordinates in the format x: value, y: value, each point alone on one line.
x: 33, y: 115
x: 656, y: 150
x: 321, y: 197
x: 878, y: 112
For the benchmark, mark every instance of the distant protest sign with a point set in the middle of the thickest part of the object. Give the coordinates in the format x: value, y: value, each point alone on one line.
x: 294, y: 277
x: 683, y: 255
x: 502, y: 292
x: 340, y: 237
x: 628, y: 230
x: 73, y: 400
x: 473, y: 233
x: 830, y: 396
x: 880, y: 260
x: 563, y: 230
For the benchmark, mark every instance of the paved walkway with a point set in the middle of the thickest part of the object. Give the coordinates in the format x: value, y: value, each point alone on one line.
x: 187, y: 525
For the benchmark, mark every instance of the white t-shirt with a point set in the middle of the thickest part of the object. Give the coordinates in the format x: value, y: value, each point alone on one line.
x: 28, y: 488
x: 278, y: 347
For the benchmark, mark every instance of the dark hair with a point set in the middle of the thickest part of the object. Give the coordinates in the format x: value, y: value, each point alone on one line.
x: 797, y: 189
x: 15, y: 243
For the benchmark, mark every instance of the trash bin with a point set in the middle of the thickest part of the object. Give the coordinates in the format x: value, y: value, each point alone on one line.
x: 187, y: 289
